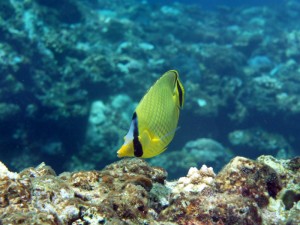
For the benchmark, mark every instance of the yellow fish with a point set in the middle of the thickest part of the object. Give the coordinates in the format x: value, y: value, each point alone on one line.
x: 155, y: 119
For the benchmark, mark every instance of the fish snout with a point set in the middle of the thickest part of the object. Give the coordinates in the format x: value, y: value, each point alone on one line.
x: 126, y: 150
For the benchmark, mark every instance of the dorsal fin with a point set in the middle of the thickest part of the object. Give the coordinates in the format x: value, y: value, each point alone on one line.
x: 178, y: 88
x: 180, y: 93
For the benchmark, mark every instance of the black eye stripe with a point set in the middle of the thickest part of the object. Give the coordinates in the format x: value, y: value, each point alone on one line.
x: 137, y: 146
x: 134, y: 116
x: 135, y: 125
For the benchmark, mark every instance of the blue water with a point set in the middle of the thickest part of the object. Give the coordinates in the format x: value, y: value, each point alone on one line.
x: 211, y: 4
x: 59, y: 59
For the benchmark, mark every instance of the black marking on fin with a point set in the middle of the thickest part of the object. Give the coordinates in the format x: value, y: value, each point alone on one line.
x: 137, y: 146
x: 180, y: 93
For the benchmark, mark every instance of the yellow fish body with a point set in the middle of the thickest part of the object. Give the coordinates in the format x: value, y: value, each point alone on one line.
x: 155, y: 119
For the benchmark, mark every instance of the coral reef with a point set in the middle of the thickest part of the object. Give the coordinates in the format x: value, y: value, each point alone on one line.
x: 261, y: 141
x: 60, y: 58
x: 244, y: 192
x: 117, y: 194
x: 265, y: 191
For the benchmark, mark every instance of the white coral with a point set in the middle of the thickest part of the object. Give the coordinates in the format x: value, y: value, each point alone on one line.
x: 4, y: 172
x: 195, y: 181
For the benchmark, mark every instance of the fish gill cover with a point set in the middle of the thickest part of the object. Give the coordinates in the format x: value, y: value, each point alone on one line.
x: 72, y: 73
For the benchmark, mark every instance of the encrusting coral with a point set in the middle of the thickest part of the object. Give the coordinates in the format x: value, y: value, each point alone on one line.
x: 265, y: 191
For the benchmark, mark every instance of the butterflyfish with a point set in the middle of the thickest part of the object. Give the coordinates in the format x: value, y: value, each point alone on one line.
x: 154, y: 121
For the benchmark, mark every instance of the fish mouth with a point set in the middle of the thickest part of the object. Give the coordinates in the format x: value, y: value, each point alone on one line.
x: 118, y: 154
x: 125, y: 151
x: 121, y: 152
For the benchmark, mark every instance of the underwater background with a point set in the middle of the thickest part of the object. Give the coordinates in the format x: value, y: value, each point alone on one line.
x: 72, y: 73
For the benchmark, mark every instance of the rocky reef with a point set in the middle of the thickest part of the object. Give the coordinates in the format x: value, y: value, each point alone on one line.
x: 262, y: 191
x: 72, y: 72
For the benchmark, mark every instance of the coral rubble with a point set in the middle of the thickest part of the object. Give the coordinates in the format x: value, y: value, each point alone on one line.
x: 264, y: 191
